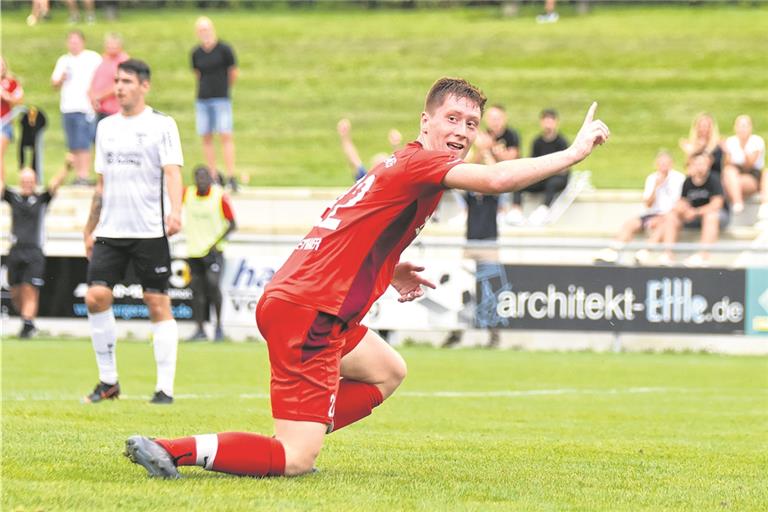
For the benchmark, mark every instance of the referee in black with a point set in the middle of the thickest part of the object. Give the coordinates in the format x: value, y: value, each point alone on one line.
x: 25, y: 260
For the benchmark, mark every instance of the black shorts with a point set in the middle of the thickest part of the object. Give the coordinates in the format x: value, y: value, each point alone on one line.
x: 151, y: 259
x: 26, y: 264
x: 210, y: 263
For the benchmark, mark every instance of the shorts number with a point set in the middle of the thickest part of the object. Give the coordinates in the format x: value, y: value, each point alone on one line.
x: 332, y: 408
x: 347, y: 200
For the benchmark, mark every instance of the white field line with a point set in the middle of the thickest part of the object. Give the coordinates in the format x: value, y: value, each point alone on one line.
x: 43, y: 396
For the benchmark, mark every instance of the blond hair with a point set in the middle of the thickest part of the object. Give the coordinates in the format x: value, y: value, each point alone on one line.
x: 714, y: 132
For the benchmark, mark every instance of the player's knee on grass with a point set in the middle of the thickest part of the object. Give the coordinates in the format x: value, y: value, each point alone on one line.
x: 299, y: 459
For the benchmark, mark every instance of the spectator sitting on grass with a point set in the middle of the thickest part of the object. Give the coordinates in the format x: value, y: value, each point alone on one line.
x: 344, y: 127
x: 704, y: 136
x: 701, y: 205
x: 744, y: 167
x: 662, y: 191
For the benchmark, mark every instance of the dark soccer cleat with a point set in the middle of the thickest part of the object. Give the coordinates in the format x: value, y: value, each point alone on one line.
x: 198, y: 336
x: 103, y: 391
x: 28, y: 330
x: 219, y: 336
x: 151, y: 456
x: 161, y: 398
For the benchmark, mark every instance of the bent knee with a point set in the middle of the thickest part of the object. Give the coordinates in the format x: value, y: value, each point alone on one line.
x: 299, y: 461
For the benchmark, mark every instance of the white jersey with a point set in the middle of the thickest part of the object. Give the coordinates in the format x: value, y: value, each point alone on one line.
x: 130, y: 155
x: 667, y: 195
x: 79, y: 70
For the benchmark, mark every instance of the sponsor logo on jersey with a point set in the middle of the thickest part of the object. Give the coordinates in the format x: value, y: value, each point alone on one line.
x: 389, y: 162
x: 309, y: 244
x: 119, y: 158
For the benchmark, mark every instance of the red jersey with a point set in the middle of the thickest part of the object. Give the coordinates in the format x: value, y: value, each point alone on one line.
x: 347, y: 260
x: 12, y: 87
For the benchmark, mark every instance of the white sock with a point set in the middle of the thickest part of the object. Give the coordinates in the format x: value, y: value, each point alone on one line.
x: 206, y: 446
x: 165, y: 340
x: 104, y: 341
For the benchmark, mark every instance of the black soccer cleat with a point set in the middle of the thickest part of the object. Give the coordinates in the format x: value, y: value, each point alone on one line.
x: 161, y: 398
x: 151, y: 456
x: 28, y: 330
x: 103, y: 391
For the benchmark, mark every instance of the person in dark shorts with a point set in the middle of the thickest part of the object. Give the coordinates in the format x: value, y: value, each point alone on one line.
x: 26, y: 261
x: 136, y: 206
x: 701, y: 206
x: 215, y: 68
x: 208, y: 221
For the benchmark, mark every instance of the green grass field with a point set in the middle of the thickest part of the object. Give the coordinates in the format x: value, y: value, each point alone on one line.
x: 651, y: 69
x: 520, y: 431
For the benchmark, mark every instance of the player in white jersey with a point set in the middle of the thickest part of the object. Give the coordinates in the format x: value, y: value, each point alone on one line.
x: 136, y: 206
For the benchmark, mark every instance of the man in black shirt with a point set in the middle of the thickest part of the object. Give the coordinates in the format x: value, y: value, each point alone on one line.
x: 216, y: 71
x: 25, y: 261
x: 701, y: 205
x: 549, y: 141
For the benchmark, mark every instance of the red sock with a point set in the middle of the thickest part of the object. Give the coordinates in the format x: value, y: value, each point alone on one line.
x: 354, y: 402
x: 237, y: 453
x: 183, y: 450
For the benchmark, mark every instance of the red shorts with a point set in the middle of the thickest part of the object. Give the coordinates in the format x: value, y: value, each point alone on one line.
x: 305, y: 351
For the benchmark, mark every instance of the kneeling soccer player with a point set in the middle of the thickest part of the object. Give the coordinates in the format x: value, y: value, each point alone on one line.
x: 329, y: 371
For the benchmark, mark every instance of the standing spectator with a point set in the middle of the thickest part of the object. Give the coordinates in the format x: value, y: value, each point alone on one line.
x: 208, y: 221
x: 138, y: 161
x: 11, y: 94
x: 73, y: 74
x: 506, y: 146
x: 74, y: 12
x: 482, y: 223
x: 26, y: 261
x: 102, y: 91
x: 550, y: 15
x: 705, y: 136
x: 40, y: 11
x: 344, y: 128
x: 549, y: 141
x: 744, y: 164
x: 701, y: 205
x: 661, y: 192
x: 216, y: 70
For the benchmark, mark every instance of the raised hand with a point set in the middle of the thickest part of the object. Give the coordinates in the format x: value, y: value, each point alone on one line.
x: 592, y: 133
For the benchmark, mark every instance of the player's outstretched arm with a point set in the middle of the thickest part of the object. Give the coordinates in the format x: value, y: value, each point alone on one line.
x: 510, y: 175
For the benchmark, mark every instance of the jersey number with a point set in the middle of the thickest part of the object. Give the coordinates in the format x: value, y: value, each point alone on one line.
x: 347, y: 200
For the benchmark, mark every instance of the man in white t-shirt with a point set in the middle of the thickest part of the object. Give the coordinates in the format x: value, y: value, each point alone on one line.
x: 744, y: 171
x: 136, y: 206
x: 661, y: 192
x: 73, y: 74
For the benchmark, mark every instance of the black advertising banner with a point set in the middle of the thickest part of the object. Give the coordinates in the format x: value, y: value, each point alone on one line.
x: 63, y: 295
x: 620, y: 299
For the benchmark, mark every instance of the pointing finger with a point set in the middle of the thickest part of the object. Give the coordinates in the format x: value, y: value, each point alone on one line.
x: 591, y: 113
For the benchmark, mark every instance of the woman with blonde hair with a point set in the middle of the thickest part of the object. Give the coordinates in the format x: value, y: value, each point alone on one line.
x: 704, y: 136
x: 744, y: 167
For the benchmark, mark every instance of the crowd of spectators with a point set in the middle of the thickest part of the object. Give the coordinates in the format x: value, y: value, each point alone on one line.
x: 721, y: 175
